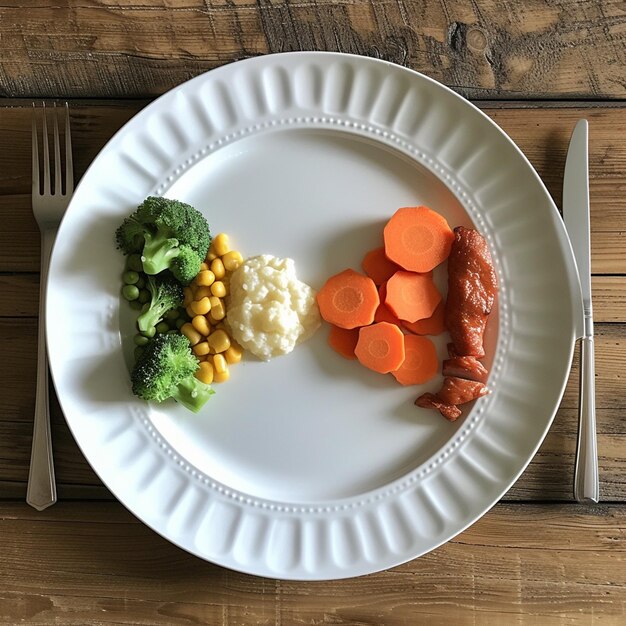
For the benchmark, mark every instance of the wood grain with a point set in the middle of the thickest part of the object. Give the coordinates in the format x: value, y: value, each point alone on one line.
x: 93, y: 563
x: 105, y: 48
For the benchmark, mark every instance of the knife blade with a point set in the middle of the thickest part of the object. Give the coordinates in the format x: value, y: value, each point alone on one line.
x: 577, y: 222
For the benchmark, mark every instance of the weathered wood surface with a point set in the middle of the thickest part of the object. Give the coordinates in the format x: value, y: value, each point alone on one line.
x: 483, y: 49
x: 94, y: 563
x: 543, y: 136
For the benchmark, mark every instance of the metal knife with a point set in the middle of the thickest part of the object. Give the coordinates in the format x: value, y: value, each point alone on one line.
x: 576, y: 217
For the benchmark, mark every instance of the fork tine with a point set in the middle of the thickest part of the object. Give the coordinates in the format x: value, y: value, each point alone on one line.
x: 35, y: 154
x: 46, y: 155
x: 57, y: 154
x: 69, y: 168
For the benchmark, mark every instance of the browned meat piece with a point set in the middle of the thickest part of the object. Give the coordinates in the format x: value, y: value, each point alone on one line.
x: 452, y: 351
x: 430, y: 401
x: 459, y: 391
x: 454, y: 391
x: 465, y: 367
x: 472, y: 288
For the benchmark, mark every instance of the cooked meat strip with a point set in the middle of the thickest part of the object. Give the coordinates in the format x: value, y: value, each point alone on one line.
x: 472, y: 289
x: 430, y: 401
x: 454, y: 391
x: 465, y: 367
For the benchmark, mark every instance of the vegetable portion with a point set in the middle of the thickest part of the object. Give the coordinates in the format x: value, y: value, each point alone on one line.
x: 420, y: 361
x: 433, y: 325
x: 380, y: 347
x: 378, y: 267
x: 348, y: 300
x: 168, y: 234
x: 343, y: 341
x: 412, y: 296
x: 166, y: 369
x: 383, y: 313
x: 166, y: 293
x: 417, y: 239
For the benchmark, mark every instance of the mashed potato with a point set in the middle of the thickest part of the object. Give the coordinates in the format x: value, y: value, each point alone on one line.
x: 269, y: 310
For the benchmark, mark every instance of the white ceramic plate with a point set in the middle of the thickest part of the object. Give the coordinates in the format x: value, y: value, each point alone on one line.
x: 311, y: 467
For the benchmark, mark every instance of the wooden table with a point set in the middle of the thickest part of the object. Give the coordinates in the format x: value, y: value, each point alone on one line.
x: 535, y: 68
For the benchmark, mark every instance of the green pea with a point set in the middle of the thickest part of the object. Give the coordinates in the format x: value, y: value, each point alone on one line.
x: 144, y: 296
x: 130, y: 277
x: 141, y: 281
x: 151, y: 332
x: 138, y: 352
x: 140, y: 340
x: 162, y: 327
x: 172, y: 314
x: 179, y: 323
x: 130, y: 292
x: 135, y: 305
x: 173, y: 331
x: 133, y: 262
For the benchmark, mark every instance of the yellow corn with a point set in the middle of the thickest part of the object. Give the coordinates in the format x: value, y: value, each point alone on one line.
x: 201, y: 307
x: 217, y: 313
x: 232, y: 260
x: 205, y: 278
x: 217, y: 267
x: 190, y: 313
x: 204, y: 266
x: 202, y: 292
x: 188, y: 296
x: 218, y: 289
x: 218, y: 341
x: 204, y: 373
x: 233, y: 353
x: 220, y: 244
x: 220, y: 377
x: 201, y: 324
x: 219, y: 363
x: 191, y: 333
x: 201, y: 349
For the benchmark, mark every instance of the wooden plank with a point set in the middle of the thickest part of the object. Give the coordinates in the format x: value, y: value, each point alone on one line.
x: 543, y: 136
x: 105, y: 48
x: 548, y: 477
x: 521, y: 564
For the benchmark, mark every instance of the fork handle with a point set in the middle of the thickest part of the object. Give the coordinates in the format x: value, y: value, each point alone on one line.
x: 586, y: 482
x: 42, y: 492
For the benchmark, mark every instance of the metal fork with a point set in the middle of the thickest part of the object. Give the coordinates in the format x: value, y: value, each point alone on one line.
x: 49, y: 204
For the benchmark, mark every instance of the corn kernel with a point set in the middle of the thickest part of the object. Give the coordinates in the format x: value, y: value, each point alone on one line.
x: 189, y: 311
x: 191, y: 333
x: 220, y: 244
x: 187, y: 296
x: 220, y: 377
x: 217, y: 313
x: 202, y: 292
x: 201, y: 349
x: 219, y: 363
x: 219, y: 341
x: 201, y: 307
x: 232, y: 260
x: 218, y: 289
x: 205, y: 278
x: 217, y: 267
x: 204, y: 373
x: 204, y: 266
x: 201, y: 324
x: 233, y: 354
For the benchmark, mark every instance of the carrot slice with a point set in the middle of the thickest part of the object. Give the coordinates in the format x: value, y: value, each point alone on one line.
x: 348, y: 299
x: 420, y: 361
x: 383, y: 314
x: 417, y: 238
x: 433, y: 325
x: 343, y: 341
x: 412, y: 296
x: 380, y: 347
x: 378, y: 267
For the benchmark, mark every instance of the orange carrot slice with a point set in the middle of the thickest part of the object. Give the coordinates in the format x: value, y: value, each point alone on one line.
x: 343, y: 341
x: 433, y: 325
x: 420, y: 361
x: 378, y: 267
x: 412, y: 296
x: 380, y: 347
x: 417, y: 238
x: 348, y: 299
x: 383, y: 314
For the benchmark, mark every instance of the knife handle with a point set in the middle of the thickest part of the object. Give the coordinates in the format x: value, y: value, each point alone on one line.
x: 586, y: 482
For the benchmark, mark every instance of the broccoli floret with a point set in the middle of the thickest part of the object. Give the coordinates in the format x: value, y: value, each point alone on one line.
x: 166, y: 293
x: 169, y: 234
x: 166, y: 369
